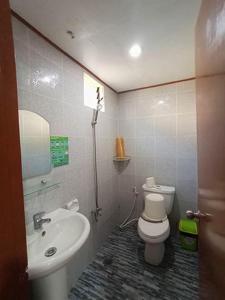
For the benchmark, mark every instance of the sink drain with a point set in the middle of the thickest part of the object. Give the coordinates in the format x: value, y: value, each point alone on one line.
x: 51, y: 251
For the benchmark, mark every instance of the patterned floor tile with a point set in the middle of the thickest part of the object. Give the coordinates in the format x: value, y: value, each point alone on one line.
x: 120, y: 272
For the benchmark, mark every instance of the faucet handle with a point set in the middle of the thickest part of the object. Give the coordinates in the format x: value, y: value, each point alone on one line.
x: 38, y: 215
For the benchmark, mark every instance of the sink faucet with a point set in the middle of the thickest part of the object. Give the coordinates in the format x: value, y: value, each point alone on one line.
x: 38, y: 220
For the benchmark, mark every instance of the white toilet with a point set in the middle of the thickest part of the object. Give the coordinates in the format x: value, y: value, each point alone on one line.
x: 153, y: 225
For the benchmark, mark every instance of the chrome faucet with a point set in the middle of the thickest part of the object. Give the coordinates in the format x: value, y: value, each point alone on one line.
x: 38, y: 220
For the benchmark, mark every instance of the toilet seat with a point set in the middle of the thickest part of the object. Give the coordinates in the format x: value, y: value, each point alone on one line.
x: 153, y: 232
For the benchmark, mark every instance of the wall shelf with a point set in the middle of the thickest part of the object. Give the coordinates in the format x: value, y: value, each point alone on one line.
x: 38, y: 188
x: 121, y: 159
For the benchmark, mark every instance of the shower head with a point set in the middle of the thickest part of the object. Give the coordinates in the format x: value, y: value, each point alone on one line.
x: 99, y: 100
x: 95, y: 114
x: 99, y: 106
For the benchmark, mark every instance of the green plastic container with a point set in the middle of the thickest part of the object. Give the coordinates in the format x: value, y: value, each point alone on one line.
x: 188, y: 234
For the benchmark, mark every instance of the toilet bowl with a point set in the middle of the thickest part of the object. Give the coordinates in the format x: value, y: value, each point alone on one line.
x: 154, y: 235
x: 153, y: 225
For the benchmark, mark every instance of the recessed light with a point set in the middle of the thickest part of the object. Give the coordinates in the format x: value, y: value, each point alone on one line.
x: 161, y: 102
x: 135, y: 50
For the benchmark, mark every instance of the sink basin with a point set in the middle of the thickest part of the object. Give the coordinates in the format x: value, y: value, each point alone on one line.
x: 60, y: 239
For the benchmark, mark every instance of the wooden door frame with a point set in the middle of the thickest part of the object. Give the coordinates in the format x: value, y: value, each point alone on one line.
x: 13, y: 255
x: 210, y: 104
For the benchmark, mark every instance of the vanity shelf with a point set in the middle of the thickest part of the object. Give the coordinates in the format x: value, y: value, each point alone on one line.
x: 42, y: 186
x: 122, y: 159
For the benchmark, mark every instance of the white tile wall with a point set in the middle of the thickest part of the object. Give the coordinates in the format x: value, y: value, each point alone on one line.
x: 51, y: 85
x: 159, y: 127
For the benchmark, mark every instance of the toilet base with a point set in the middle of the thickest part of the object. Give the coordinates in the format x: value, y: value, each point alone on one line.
x: 154, y: 253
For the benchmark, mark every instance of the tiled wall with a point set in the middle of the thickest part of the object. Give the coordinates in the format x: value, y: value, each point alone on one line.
x: 159, y: 127
x: 51, y: 85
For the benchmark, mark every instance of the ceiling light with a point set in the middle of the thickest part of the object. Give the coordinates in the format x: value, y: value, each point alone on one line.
x: 161, y: 102
x: 135, y: 50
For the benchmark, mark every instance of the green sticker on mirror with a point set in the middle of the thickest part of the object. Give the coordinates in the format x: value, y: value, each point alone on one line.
x: 59, y: 150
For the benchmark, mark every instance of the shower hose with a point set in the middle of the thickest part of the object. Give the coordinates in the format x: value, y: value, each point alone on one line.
x: 127, y: 221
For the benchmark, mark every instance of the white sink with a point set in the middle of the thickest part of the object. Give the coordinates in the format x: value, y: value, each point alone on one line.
x: 67, y: 232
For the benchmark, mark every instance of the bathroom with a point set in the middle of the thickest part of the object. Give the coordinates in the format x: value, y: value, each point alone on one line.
x: 115, y: 138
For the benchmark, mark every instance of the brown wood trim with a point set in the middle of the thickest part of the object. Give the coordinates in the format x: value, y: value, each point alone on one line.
x: 210, y: 113
x: 13, y: 253
x: 18, y: 17
x: 157, y: 85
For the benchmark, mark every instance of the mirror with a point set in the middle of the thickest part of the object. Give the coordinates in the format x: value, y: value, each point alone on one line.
x: 35, y: 144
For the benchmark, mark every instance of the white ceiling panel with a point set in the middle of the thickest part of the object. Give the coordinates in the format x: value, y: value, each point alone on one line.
x: 106, y: 29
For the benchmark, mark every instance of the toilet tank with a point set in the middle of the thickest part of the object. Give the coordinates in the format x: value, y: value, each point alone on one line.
x: 167, y: 192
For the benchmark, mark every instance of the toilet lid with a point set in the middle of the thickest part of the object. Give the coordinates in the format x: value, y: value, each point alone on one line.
x: 153, y: 230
